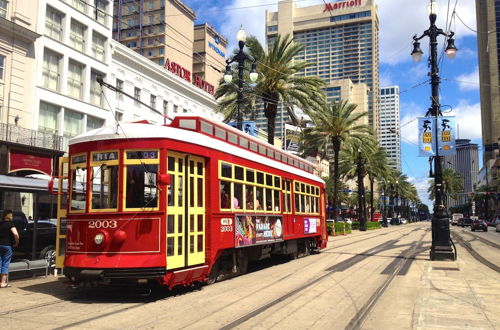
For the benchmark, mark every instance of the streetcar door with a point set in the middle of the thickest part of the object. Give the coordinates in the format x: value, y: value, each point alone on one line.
x: 185, y: 210
x: 62, y: 206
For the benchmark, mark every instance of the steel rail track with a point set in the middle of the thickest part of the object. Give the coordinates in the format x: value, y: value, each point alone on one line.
x: 460, y: 240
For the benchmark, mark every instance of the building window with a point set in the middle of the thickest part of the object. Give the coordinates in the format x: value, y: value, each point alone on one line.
x: 50, y: 70
x: 161, y: 51
x: 75, y: 79
x: 3, y: 8
x: 165, y: 108
x: 119, y: 88
x: 47, y: 118
x: 53, y: 24
x: 100, y: 11
x: 95, y: 89
x: 153, y: 101
x: 72, y: 125
x: 2, y: 66
x: 98, y: 43
x: 76, y: 37
x: 80, y: 5
x: 94, y: 123
x: 137, y: 95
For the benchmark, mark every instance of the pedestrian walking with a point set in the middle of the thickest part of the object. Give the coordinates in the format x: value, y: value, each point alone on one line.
x: 8, y: 238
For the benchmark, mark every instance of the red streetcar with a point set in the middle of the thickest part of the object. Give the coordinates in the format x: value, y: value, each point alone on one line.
x: 192, y: 201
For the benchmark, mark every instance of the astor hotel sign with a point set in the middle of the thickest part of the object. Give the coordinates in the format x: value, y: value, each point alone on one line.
x: 185, y: 74
x: 342, y: 5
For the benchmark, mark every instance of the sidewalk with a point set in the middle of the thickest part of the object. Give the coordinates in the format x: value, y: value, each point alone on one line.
x: 461, y: 294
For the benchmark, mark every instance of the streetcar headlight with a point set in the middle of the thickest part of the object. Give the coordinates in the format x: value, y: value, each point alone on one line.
x: 98, y: 239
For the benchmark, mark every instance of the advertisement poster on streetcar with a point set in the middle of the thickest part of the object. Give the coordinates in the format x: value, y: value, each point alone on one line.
x: 257, y: 229
x: 311, y: 225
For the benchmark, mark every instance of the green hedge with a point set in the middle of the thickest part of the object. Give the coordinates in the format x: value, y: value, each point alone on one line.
x: 338, y: 228
x: 369, y: 225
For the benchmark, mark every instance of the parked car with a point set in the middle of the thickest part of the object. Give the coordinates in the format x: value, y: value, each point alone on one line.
x: 462, y: 222
x: 455, y: 217
x: 479, y: 225
x: 45, y: 237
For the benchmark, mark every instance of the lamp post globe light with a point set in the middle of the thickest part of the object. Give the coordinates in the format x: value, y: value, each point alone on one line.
x: 441, y: 246
x: 240, y: 58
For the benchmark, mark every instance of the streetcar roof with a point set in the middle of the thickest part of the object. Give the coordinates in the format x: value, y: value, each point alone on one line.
x: 144, y: 130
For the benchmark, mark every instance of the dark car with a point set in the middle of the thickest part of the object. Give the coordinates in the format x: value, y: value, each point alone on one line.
x: 479, y: 225
x: 462, y: 222
x: 45, y: 237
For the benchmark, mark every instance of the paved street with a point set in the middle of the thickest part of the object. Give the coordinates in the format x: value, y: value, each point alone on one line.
x: 380, y: 279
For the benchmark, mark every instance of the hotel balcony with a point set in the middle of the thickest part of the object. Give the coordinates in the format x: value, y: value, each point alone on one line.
x: 29, y: 137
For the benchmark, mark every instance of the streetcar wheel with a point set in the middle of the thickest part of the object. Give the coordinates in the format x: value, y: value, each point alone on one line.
x: 214, y: 274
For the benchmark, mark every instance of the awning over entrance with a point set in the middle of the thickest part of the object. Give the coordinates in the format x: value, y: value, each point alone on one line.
x: 22, y: 161
x: 22, y: 184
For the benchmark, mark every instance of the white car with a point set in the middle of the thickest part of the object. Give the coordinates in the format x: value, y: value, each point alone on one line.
x: 402, y: 221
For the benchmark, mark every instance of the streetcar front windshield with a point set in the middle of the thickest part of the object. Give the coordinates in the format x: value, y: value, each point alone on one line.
x: 104, y: 187
x: 78, y: 191
x: 142, y: 189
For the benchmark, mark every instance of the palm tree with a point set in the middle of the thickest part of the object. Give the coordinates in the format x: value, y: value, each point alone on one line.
x: 334, y: 125
x: 277, y: 83
x: 377, y: 167
x: 358, y: 152
x: 452, y: 184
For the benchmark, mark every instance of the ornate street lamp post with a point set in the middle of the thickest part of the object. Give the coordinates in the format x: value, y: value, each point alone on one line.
x: 441, y: 247
x: 240, y: 58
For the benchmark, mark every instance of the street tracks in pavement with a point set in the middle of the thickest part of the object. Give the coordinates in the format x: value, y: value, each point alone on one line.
x: 466, y: 244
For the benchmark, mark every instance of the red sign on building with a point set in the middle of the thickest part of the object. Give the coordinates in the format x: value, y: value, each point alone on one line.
x: 342, y: 5
x: 185, y: 74
x: 22, y: 161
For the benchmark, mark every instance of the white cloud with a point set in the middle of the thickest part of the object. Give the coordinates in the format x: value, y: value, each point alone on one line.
x: 422, y: 184
x: 469, y: 81
x: 409, y: 122
x: 468, y: 119
x: 386, y: 79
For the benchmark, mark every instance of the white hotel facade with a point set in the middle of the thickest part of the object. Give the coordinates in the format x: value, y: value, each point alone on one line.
x: 75, y: 46
x: 390, y: 126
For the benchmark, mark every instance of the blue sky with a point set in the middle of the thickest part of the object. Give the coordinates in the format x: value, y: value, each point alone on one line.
x: 399, y: 21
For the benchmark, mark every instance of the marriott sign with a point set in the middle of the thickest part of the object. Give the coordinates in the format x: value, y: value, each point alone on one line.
x: 342, y: 5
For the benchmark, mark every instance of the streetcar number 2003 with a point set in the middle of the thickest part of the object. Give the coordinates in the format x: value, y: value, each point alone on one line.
x: 103, y: 224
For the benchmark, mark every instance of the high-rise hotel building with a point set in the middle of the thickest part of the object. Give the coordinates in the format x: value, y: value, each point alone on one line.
x: 389, y: 134
x: 164, y: 32
x: 341, y: 38
x: 488, y: 47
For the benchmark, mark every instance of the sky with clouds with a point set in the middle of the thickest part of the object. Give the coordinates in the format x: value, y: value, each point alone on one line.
x: 399, y: 21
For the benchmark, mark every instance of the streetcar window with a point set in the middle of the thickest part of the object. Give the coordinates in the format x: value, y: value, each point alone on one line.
x: 199, y: 166
x: 277, y: 156
x: 277, y: 182
x: 290, y: 160
x: 226, y: 170
x: 302, y: 204
x: 78, y: 189
x: 253, y: 146
x: 270, y: 153
x: 171, y: 164
x: 250, y: 175
x: 141, y: 188
x: 232, y: 138
x: 207, y: 128
x: 238, y: 195
x: 244, y: 143
x: 269, y: 199
x: 187, y: 123
x: 262, y: 150
x: 220, y: 133
x: 249, y: 198
x: 238, y: 173
x: 259, y: 201
x: 297, y: 203
x: 200, y: 222
x: 171, y: 188
x: 277, y: 202
x: 200, y: 192
x: 191, y: 191
x: 104, y: 187
x: 260, y: 178
x: 225, y: 194
x: 170, y: 224
x: 295, y: 163
x: 170, y: 246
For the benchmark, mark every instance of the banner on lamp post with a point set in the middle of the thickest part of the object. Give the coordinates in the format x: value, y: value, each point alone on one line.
x: 446, y: 135
x: 426, y: 140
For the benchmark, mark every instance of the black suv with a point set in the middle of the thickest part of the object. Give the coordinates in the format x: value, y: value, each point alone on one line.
x: 45, y: 237
x: 462, y: 222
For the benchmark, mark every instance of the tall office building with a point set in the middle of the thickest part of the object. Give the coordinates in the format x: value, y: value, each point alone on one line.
x: 488, y: 40
x: 164, y: 32
x: 340, y: 37
x: 390, y: 127
x: 466, y: 163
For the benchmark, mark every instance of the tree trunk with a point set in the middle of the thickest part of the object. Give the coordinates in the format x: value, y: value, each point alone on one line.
x: 371, y: 198
x: 336, y: 175
x: 270, y: 110
x: 361, y: 195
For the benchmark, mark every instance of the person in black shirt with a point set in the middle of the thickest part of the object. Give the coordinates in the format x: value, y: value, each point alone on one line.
x: 8, y: 238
